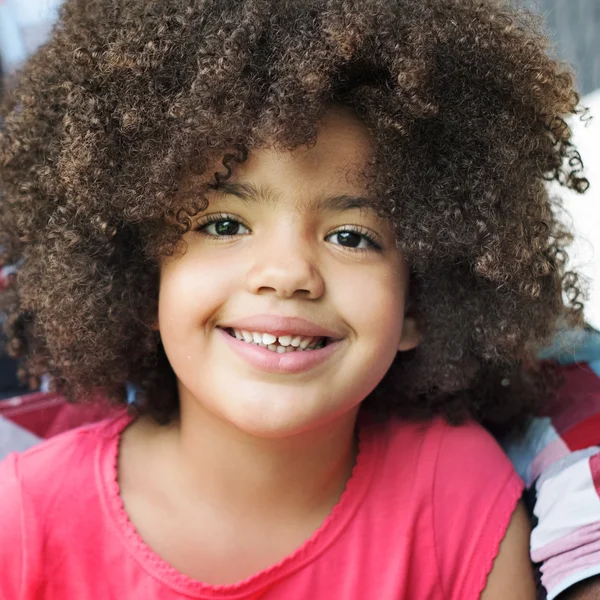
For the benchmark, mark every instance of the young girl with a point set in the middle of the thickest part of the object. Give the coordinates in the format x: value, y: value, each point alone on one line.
x: 311, y: 235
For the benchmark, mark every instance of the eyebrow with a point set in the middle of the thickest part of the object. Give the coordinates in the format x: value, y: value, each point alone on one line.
x: 250, y: 193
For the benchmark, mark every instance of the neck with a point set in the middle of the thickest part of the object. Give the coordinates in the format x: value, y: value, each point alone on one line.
x: 273, y: 478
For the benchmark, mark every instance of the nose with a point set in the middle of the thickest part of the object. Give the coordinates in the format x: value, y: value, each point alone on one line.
x: 286, y: 266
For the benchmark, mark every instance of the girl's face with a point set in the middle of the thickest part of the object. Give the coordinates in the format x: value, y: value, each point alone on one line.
x: 288, y: 254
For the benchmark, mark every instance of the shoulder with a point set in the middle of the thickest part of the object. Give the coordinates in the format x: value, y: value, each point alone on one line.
x: 58, y: 465
x: 470, y: 444
x: 43, y: 490
x: 466, y: 491
x: 446, y: 447
x: 474, y: 496
x: 473, y: 477
x: 68, y: 450
x: 451, y: 465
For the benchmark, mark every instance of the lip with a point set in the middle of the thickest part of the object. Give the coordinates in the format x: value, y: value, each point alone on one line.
x: 279, y: 325
x: 272, y: 362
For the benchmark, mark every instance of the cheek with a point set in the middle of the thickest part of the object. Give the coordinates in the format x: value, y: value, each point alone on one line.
x: 374, y: 305
x: 191, y: 290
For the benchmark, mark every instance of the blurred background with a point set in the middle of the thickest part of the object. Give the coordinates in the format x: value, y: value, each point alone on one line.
x: 574, y: 26
x: 24, y: 25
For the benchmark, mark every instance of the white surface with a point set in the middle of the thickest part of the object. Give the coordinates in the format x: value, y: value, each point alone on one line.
x: 584, y: 210
x: 24, y: 25
x: 33, y: 12
x: 558, y: 518
x: 12, y: 46
x: 14, y: 438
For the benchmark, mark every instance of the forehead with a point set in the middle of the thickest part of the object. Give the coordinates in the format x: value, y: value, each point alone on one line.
x: 326, y: 175
x: 337, y: 159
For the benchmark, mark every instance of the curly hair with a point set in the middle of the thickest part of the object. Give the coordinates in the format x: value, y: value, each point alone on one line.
x: 465, y: 105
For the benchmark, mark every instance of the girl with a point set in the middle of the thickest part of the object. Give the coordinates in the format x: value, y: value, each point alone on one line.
x: 312, y: 235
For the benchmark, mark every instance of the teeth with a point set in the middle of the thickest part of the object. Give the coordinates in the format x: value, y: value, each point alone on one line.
x: 305, y: 342
x: 281, y: 345
x: 285, y: 340
x: 268, y: 339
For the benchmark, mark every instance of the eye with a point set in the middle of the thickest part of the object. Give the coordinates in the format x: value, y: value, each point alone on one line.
x: 354, y: 240
x: 222, y: 226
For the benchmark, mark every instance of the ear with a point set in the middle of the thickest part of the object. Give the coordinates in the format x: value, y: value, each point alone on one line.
x: 411, y: 335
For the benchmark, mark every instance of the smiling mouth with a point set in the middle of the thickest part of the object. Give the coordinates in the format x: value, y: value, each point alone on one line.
x: 282, y: 344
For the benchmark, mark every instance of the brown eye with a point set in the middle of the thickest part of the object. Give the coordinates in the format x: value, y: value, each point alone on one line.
x: 350, y: 239
x: 227, y: 228
x: 224, y: 228
x: 353, y: 240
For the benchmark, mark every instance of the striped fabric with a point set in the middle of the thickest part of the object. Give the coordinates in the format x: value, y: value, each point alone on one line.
x: 559, y: 460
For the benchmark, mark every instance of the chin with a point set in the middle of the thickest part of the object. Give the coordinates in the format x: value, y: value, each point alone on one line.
x: 268, y: 411
x: 279, y: 421
x: 274, y: 425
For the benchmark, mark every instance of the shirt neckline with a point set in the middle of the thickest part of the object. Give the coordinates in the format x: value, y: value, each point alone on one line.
x: 369, y: 447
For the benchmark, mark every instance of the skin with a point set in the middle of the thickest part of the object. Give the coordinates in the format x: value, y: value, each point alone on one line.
x: 286, y: 265
x: 512, y: 573
x: 258, y: 460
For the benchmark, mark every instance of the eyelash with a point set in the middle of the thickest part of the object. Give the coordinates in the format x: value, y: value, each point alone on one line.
x: 215, y: 218
x: 365, y: 233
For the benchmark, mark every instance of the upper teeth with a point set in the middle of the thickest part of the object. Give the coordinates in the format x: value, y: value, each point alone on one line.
x: 267, y: 339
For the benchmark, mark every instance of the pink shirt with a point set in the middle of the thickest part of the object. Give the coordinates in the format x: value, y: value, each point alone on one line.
x: 421, y: 518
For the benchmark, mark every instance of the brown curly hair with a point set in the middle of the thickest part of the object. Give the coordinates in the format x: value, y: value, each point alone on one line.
x: 465, y: 105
